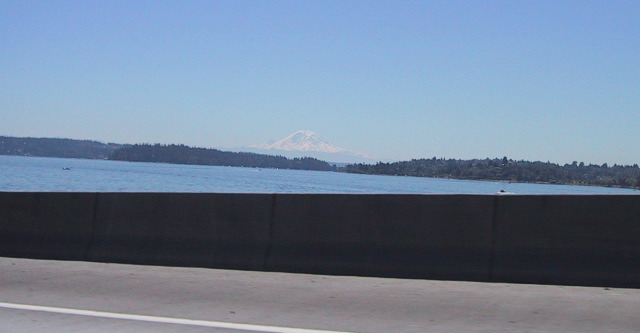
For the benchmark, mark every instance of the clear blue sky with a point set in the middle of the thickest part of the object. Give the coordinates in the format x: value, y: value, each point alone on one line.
x: 536, y: 80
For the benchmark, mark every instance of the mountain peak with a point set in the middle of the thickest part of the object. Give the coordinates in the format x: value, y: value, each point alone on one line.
x: 303, y: 140
x: 305, y: 132
x: 303, y: 143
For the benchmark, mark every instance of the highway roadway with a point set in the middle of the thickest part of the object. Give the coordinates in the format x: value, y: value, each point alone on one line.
x: 45, y: 296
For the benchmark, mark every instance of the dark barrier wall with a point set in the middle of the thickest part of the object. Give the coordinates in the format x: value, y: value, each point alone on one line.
x: 46, y: 225
x: 549, y: 239
x: 180, y: 229
x: 573, y: 240
x: 415, y: 236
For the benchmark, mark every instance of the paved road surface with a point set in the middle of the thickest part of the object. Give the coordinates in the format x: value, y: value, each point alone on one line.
x: 128, y: 298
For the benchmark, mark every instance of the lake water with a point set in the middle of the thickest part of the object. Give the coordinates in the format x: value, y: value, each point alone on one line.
x: 18, y: 173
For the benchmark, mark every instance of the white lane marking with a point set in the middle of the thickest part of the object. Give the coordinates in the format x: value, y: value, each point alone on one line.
x: 167, y: 320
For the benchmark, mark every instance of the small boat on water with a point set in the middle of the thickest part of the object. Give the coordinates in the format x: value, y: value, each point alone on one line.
x: 66, y: 168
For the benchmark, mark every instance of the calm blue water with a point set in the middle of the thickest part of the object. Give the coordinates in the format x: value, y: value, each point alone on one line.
x: 19, y: 173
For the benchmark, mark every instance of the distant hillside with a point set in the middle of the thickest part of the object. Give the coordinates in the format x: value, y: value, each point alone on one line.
x: 47, y: 147
x: 508, y: 170
x: 181, y: 154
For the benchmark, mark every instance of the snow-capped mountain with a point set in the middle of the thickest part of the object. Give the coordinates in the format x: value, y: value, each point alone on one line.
x: 303, y: 140
x: 307, y: 143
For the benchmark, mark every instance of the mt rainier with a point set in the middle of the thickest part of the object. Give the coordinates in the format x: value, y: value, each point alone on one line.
x: 307, y: 143
x: 303, y: 140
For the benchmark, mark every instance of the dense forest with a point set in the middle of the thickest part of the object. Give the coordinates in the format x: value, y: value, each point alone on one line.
x: 181, y: 154
x: 508, y: 170
x: 48, y: 147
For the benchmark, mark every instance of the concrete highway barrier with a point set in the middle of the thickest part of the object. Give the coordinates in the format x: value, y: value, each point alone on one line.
x: 412, y: 236
x: 546, y: 239
x: 181, y: 229
x: 46, y: 225
x: 574, y: 240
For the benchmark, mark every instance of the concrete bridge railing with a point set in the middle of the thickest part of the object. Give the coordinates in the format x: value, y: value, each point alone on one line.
x: 589, y: 240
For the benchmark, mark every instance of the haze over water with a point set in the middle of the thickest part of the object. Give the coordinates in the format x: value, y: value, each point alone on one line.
x: 37, y: 174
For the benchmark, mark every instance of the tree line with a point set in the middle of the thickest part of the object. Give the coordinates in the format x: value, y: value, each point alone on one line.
x: 53, y: 147
x: 181, y: 154
x: 508, y: 170
x: 503, y: 169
